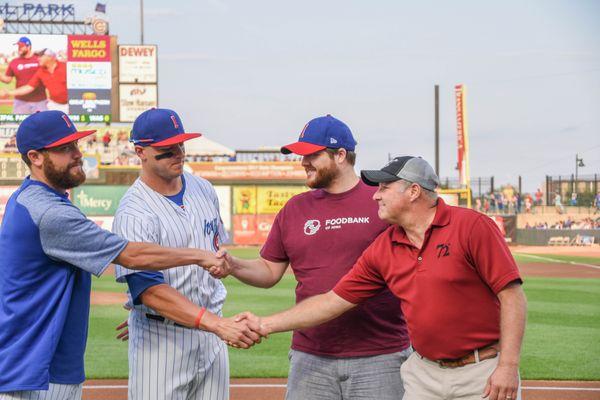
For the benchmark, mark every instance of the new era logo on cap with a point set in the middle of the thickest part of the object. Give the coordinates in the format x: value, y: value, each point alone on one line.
x: 159, y: 127
x: 321, y: 133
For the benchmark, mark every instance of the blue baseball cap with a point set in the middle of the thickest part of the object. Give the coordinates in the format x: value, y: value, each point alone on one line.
x: 24, y: 40
x: 321, y: 133
x: 47, y: 129
x: 158, y: 127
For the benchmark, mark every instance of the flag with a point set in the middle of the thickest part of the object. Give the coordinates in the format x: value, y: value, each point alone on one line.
x: 100, y: 7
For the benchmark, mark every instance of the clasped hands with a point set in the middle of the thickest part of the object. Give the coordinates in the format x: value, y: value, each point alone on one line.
x: 245, y: 329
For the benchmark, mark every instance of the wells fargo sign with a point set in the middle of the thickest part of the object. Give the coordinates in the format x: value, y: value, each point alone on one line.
x: 249, y: 170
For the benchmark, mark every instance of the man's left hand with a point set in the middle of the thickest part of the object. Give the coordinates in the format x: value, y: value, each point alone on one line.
x: 503, y: 384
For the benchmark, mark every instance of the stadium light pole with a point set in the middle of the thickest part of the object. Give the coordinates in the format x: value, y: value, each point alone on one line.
x: 437, y: 130
x: 578, y: 163
x: 142, y: 21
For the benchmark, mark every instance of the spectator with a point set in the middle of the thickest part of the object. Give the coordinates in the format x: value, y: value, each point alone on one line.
x: 478, y: 204
x: 527, y: 204
x: 106, y: 139
x: 538, y: 197
x: 486, y: 205
x: 597, y: 202
x: 558, y: 204
x: 574, y: 198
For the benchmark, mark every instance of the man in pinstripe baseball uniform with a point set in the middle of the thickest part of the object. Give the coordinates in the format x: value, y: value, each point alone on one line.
x: 49, y: 250
x: 168, y: 360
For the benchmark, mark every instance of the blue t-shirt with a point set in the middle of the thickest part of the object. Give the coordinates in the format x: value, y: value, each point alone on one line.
x: 139, y: 282
x: 49, y: 251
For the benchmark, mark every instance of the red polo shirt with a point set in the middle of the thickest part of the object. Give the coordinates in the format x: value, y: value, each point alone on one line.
x: 55, y: 82
x: 448, y: 288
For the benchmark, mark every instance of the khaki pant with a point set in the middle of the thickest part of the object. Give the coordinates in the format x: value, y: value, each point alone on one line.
x: 426, y: 380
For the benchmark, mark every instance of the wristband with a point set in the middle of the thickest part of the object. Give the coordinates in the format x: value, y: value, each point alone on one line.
x: 199, y: 317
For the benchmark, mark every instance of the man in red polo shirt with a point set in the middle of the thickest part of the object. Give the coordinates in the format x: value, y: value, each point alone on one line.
x: 320, y: 234
x: 459, y: 287
x: 52, y: 75
x: 23, y: 68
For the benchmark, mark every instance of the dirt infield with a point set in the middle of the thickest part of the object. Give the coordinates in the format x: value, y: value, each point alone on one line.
x: 558, y: 270
x: 274, y: 389
x: 587, y: 251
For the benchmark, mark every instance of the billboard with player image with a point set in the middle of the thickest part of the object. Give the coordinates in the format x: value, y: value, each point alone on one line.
x: 70, y: 73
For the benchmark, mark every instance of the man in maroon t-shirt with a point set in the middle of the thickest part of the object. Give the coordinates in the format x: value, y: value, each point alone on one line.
x: 321, y: 234
x: 459, y: 287
x: 23, y: 68
x: 52, y: 75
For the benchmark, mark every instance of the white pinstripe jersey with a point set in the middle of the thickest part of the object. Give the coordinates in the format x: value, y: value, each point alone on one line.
x: 147, y: 216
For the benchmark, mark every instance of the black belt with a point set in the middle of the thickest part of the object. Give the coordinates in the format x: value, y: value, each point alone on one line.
x: 162, y: 319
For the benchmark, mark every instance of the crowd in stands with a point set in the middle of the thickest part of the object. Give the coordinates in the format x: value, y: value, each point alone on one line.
x: 568, y: 223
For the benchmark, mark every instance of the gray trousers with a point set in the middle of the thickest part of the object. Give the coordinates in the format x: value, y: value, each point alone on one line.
x: 330, y: 378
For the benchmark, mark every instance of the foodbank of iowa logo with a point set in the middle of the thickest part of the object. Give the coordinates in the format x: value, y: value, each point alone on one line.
x: 312, y: 226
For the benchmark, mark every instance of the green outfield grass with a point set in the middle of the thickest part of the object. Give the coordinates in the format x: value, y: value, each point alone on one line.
x: 535, y: 258
x: 561, y: 340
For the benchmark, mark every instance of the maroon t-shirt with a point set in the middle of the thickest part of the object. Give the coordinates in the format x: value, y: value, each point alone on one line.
x: 23, y: 69
x: 322, y: 235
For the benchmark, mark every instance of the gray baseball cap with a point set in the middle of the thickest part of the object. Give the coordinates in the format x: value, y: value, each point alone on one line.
x: 409, y: 168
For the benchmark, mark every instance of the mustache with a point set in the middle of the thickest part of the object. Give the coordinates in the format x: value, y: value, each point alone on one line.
x: 76, y: 164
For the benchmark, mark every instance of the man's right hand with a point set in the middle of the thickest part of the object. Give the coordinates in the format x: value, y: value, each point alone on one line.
x: 234, y: 333
x: 224, y: 267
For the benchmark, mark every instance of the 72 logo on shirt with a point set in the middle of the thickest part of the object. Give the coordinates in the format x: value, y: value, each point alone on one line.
x: 443, y: 250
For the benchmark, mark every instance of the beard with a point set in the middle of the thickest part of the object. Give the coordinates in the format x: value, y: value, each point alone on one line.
x: 63, y: 178
x: 323, y: 177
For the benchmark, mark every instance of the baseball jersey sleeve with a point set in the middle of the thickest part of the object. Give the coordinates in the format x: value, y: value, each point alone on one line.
x: 135, y: 229
x: 490, y: 255
x: 66, y: 234
x: 273, y: 250
x: 364, y: 280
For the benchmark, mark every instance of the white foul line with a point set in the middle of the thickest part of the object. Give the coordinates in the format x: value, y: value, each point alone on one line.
x: 559, y: 261
x: 280, y: 385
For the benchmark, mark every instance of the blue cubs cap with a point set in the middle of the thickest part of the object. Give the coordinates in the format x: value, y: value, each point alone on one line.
x: 158, y: 127
x: 47, y: 129
x: 321, y: 133
x: 24, y: 40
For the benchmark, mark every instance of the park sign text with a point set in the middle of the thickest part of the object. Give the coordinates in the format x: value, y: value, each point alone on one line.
x: 33, y: 12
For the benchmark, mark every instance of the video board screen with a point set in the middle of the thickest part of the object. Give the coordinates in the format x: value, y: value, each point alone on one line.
x: 71, y: 73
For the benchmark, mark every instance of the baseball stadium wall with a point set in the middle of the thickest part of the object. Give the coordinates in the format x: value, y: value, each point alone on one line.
x: 544, y: 237
x: 250, y: 194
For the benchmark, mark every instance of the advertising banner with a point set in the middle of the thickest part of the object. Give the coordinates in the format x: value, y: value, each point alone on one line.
x: 244, y: 199
x: 47, y: 68
x: 461, y: 134
x: 216, y: 171
x: 5, y: 193
x: 137, y: 64
x: 224, y: 195
x: 98, y: 200
x: 135, y: 99
x: 12, y: 167
x: 507, y: 225
x: 270, y: 199
x: 263, y: 226
x: 244, y: 230
x: 252, y: 229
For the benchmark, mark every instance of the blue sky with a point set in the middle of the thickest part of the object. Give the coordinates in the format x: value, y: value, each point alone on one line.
x: 252, y: 73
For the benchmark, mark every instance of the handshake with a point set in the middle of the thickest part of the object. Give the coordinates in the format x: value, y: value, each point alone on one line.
x: 243, y: 330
